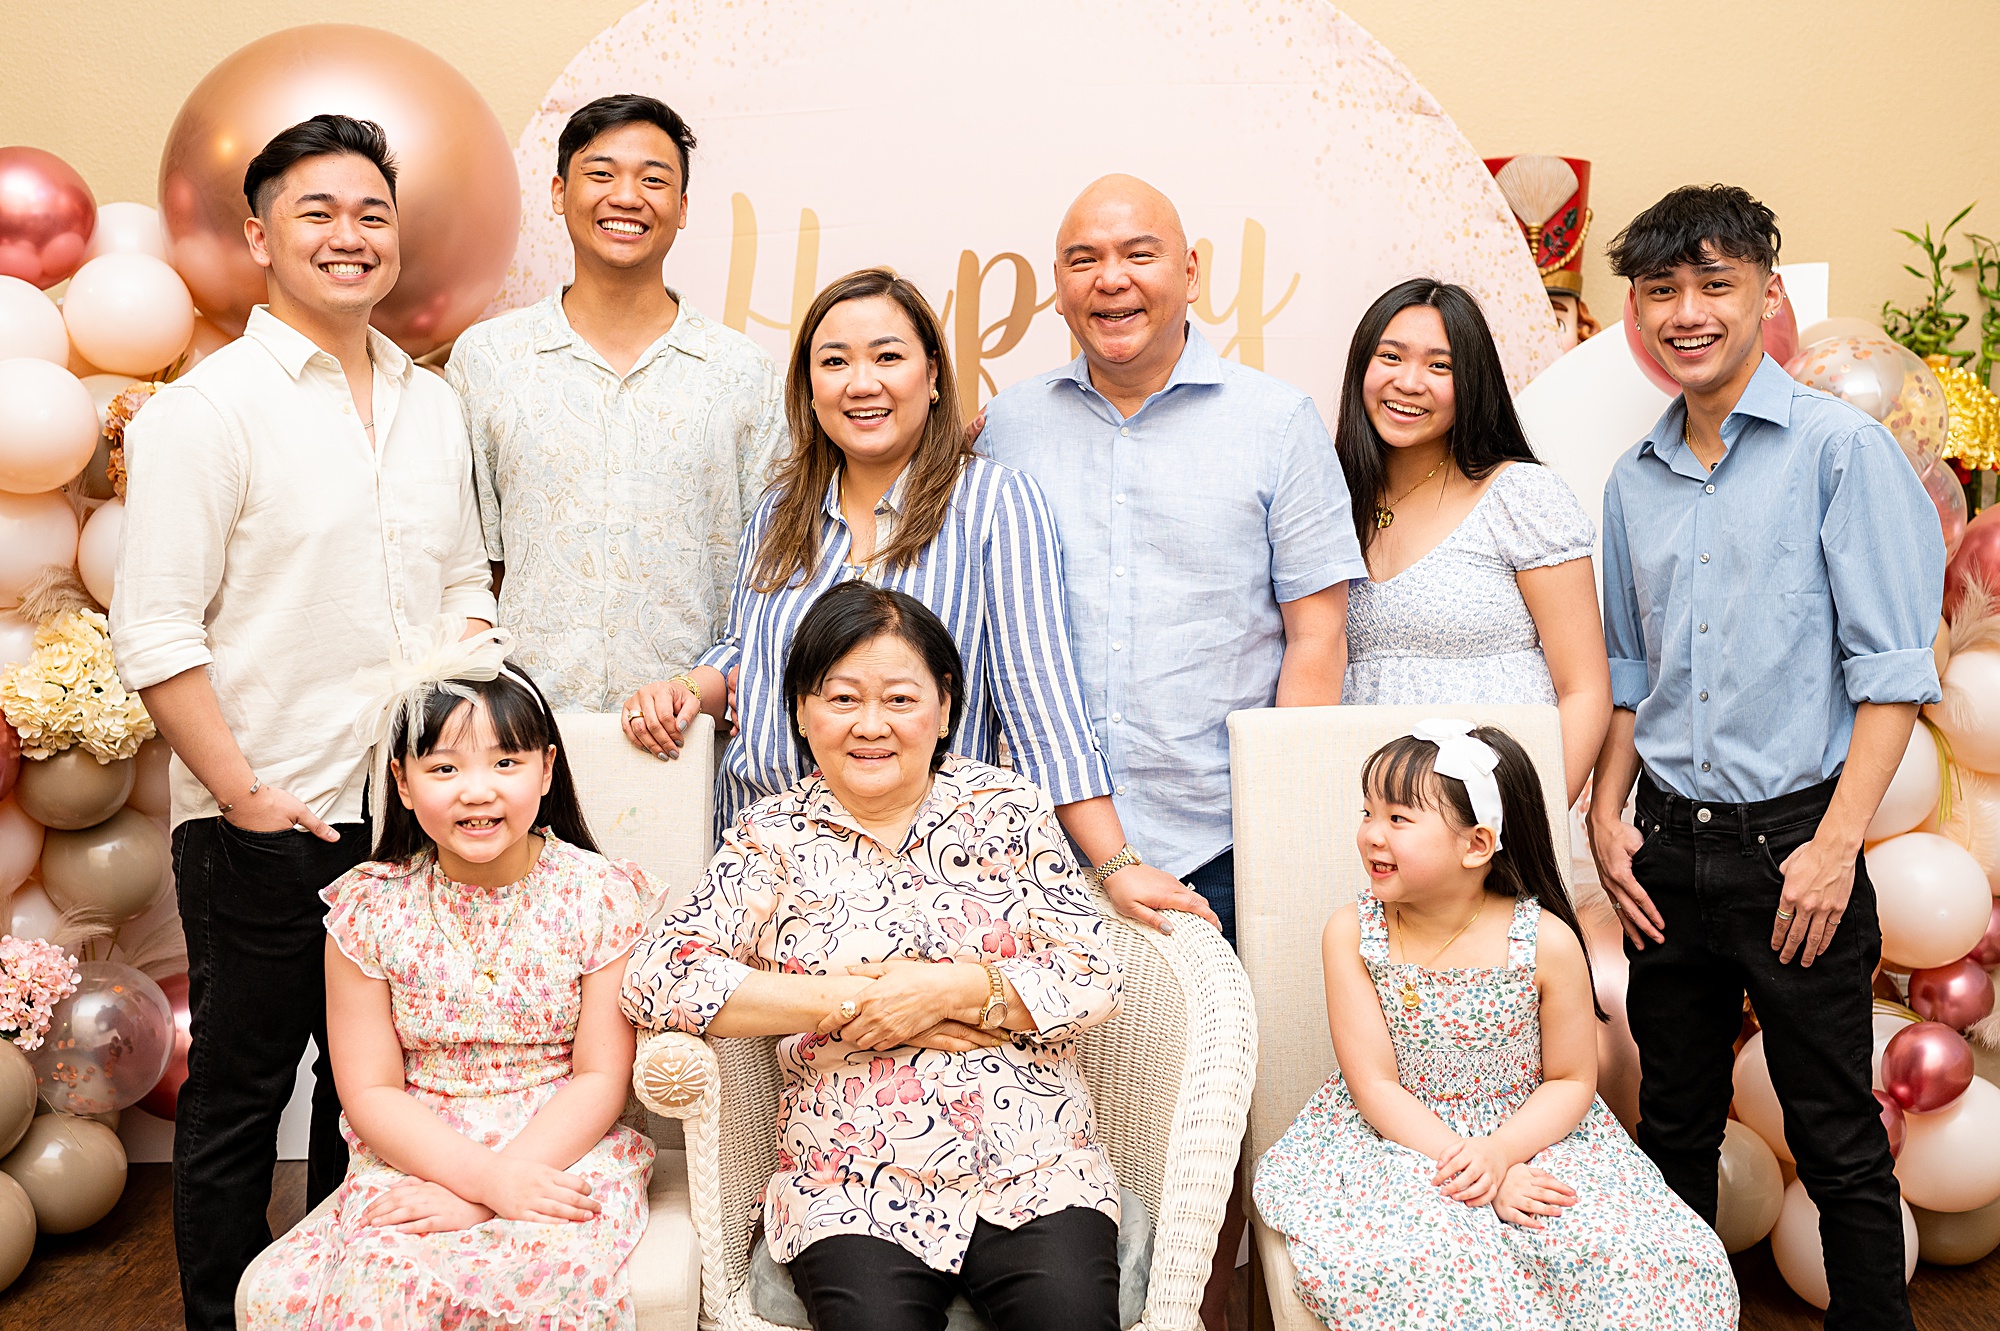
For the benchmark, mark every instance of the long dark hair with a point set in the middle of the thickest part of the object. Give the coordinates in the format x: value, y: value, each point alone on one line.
x: 1485, y: 431
x: 1404, y: 771
x: 522, y: 723
x: 853, y: 613
x: 791, y: 541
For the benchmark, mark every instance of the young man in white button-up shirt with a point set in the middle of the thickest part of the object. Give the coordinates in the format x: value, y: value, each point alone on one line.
x: 299, y: 503
x: 621, y: 437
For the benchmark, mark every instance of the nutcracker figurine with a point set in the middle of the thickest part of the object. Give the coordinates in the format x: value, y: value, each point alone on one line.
x: 1550, y: 197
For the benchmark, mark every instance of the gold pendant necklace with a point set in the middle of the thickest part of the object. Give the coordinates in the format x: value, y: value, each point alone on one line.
x: 1410, y: 998
x: 486, y: 973
x: 1386, y: 515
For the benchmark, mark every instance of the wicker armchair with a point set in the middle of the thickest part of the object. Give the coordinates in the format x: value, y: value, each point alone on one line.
x: 1296, y: 790
x: 1170, y: 1075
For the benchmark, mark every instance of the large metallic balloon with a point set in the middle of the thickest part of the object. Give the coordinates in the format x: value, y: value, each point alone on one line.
x: 1977, y: 556
x: 1954, y: 995
x: 458, y: 196
x: 17, y: 1230
x: 72, y: 789
x: 110, y: 872
x: 165, y: 1097
x: 108, y: 1043
x: 72, y: 1169
x: 47, y: 215
x: 1925, y: 1067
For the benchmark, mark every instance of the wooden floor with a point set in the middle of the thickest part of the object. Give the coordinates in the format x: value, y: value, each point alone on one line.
x: 119, y: 1275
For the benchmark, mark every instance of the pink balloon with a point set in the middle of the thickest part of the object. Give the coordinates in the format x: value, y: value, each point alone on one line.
x: 1781, y: 343
x: 1977, y: 556
x: 128, y: 228
x: 151, y: 789
x: 1893, y: 1121
x: 1988, y: 951
x: 1926, y: 1066
x: 10, y: 758
x: 1951, y: 1159
x: 1930, y: 895
x: 30, y: 324
x: 20, y: 844
x: 17, y: 639
x: 164, y: 1098
x: 1956, y: 995
x: 48, y: 427
x: 32, y: 915
x: 129, y: 313
x: 97, y: 549
x: 47, y: 215
x: 35, y: 531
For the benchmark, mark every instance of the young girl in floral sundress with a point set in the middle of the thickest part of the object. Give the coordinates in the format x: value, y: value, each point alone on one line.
x: 472, y: 980
x: 1459, y: 1171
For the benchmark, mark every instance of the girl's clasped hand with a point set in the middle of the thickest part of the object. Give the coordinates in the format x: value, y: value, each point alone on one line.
x: 1475, y: 1172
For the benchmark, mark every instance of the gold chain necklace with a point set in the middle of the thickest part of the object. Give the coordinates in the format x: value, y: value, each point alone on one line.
x: 1410, y: 998
x: 486, y: 971
x: 1386, y: 515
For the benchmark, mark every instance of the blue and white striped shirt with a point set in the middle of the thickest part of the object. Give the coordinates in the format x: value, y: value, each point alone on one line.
x: 993, y: 574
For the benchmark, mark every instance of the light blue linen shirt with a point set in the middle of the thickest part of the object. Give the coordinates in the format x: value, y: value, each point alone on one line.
x: 1182, y: 528
x: 1748, y: 610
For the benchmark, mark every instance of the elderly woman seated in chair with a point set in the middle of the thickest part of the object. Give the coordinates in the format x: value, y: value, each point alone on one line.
x: 914, y: 925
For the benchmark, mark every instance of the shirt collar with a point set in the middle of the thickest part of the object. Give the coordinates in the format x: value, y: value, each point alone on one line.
x: 1198, y: 364
x: 952, y: 787
x: 892, y: 499
x: 293, y: 349
x: 690, y: 333
x: 1767, y: 397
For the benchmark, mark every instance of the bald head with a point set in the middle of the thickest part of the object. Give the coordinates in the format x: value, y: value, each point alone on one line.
x: 1124, y: 280
x: 1122, y: 203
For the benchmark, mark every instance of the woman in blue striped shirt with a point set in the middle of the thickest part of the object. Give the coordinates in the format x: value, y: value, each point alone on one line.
x: 881, y: 483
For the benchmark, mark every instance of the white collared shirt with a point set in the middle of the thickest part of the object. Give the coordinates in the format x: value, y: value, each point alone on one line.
x: 267, y: 540
x: 616, y: 502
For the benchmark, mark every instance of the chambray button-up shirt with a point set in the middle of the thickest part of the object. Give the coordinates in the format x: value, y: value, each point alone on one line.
x: 1748, y: 610
x: 1183, y: 528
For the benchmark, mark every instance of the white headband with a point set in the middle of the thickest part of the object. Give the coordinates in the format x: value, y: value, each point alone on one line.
x: 402, y: 685
x: 1471, y: 761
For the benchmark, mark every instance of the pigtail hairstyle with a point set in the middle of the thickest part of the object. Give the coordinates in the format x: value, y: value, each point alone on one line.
x: 522, y: 723
x: 1403, y: 772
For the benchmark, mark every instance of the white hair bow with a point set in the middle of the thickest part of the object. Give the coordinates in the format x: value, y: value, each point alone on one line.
x: 402, y: 685
x: 1470, y: 760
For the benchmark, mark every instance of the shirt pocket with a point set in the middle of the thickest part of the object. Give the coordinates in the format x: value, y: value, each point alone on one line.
x: 1798, y: 567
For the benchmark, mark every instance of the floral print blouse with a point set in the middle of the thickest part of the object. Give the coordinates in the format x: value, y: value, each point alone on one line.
x: 909, y: 1145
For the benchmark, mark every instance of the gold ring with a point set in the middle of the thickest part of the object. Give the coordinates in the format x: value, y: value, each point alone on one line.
x: 635, y: 716
x: 1786, y: 914
x: 847, y: 1008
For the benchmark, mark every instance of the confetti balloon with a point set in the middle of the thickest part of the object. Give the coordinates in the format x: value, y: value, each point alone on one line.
x: 108, y: 1043
x: 47, y: 215
x: 1883, y: 378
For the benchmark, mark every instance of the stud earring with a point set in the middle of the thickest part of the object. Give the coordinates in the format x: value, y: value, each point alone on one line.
x: 934, y: 392
x: 944, y: 731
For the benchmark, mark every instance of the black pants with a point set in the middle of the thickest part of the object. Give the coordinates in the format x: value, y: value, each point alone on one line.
x: 1055, y: 1273
x: 1712, y: 870
x: 256, y: 943
x: 1216, y: 881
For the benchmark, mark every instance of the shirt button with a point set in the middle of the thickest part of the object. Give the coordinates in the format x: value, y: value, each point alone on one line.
x: 1118, y: 572
x: 617, y: 466
x: 1704, y: 556
x: 1701, y: 815
x: 1704, y: 767
x: 347, y: 409
x: 1121, y: 790
x: 1124, y: 430
x: 1117, y: 646
x: 1710, y: 488
x: 1704, y: 695
x: 610, y: 630
x: 1117, y: 718
x: 1701, y: 628
x: 1118, y: 499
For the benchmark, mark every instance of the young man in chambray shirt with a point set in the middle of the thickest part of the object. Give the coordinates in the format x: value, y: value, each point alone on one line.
x: 1772, y: 579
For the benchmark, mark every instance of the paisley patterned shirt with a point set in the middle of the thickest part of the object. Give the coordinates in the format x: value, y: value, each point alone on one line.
x: 615, y: 502
x: 909, y: 1145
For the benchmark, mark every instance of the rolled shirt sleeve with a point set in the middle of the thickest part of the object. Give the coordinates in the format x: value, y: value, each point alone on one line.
x: 1624, y: 632
x: 1311, y: 518
x: 1885, y: 565
x: 686, y: 968
x: 1066, y: 975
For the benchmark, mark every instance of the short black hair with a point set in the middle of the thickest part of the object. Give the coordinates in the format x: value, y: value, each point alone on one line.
x: 625, y: 108
x: 322, y: 136
x: 1691, y: 226
x: 855, y: 613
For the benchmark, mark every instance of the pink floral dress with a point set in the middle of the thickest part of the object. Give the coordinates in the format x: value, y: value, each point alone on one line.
x: 486, y: 990
x: 1377, y: 1246
x: 913, y: 1146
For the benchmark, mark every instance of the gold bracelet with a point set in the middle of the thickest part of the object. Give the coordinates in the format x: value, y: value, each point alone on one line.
x: 1124, y: 859
x: 688, y: 680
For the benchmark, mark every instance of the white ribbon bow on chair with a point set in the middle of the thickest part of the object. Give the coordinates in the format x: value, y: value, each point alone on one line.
x: 1471, y: 761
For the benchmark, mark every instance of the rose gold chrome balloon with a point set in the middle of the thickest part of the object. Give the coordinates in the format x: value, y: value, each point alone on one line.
x: 1956, y: 995
x: 1986, y: 954
x: 458, y: 198
x: 46, y: 216
x: 1926, y: 1066
x: 164, y: 1098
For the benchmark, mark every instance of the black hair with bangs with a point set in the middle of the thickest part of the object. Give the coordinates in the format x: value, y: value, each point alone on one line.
x: 522, y: 723
x: 853, y: 614
x: 1691, y: 226
x: 1404, y: 771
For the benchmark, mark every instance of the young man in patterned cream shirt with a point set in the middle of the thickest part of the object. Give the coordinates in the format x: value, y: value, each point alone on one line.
x: 620, y: 437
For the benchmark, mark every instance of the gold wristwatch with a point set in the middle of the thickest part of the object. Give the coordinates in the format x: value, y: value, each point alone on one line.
x: 1124, y: 859
x: 995, y: 1012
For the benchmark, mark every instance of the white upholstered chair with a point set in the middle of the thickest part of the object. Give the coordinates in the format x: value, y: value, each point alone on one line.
x: 661, y: 815
x: 1295, y: 777
x: 1170, y: 1075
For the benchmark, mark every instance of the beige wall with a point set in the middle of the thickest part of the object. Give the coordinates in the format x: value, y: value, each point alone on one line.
x: 1867, y: 116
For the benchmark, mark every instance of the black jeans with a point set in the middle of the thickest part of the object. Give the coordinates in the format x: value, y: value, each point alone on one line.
x: 256, y: 942
x: 1712, y: 870
x: 1056, y: 1273
x: 1216, y: 881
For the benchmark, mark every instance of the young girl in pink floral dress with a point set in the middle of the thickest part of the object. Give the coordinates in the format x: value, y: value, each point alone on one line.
x: 1459, y: 1171
x: 472, y: 1018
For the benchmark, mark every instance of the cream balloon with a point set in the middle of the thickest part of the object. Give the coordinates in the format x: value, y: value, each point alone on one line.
x: 17, y: 639
x: 1913, y: 791
x: 30, y: 323
x: 1795, y: 1245
x: 35, y: 532
x: 72, y: 1169
x: 1969, y: 714
x: 1951, y: 1159
x: 127, y: 228
x: 104, y: 387
x: 1931, y: 896
x: 1957, y: 1238
x: 1975, y: 820
x: 1756, y: 1099
x: 71, y: 789
x: 129, y: 313
x: 97, y: 549
x: 208, y: 339
x: 150, y: 793
x: 17, y: 1230
x: 1751, y: 1189
x: 48, y: 427
x: 20, y: 845
x: 1886, y: 1025
x: 111, y: 871
x: 18, y: 1090
x: 32, y: 915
